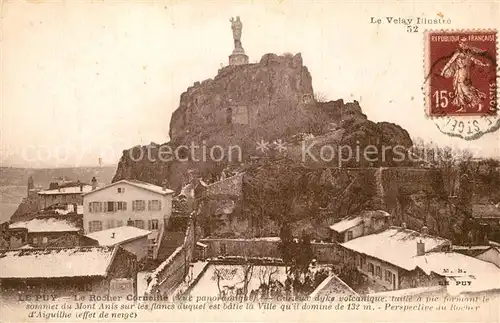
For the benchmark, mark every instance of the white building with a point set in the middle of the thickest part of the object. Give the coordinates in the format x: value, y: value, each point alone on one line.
x: 136, y: 203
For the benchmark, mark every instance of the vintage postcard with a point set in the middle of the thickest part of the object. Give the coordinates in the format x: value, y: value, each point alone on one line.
x: 264, y: 161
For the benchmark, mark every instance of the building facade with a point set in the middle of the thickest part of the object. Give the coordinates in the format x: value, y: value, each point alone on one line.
x: 143, y: 205
x: 63, y: 195
x: 387, y: 258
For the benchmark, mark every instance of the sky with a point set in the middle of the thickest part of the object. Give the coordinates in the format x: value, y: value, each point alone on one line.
x: 84, y: 80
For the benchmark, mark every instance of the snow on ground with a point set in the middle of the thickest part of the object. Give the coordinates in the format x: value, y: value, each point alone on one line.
x: 232, y: 276
x: 142, y: 283
x: 195, y: 270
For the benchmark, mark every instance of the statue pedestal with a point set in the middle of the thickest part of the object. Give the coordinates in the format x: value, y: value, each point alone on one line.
x: 238, y: 57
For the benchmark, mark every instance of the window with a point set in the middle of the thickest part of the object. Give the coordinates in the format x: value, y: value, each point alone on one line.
x: 45, y: 240
x: 111, y: 224
x: 95, y: 207
x: 121, y: 190
x: 349, y: 235
x: 119, y: 223
x: 121, y: 206
x: 95, y: 226
x: 35, y: 240
x: 378, y: 272
x: 152, y: 224
x: 154, y: 205
x: 388, y: 276
x: 139, y: 224
x: 223, y: 249
x: 138, y: 205
x: 371, y: 268
x: 110, y: 206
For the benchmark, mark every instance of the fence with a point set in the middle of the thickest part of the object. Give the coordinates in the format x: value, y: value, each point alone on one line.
x: 266, y: 247
x: 172, y: 271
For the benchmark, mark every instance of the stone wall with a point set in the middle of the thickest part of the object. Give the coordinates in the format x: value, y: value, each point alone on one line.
x: 172, y: 271
x: 231, y: 186
x: 266, y: 248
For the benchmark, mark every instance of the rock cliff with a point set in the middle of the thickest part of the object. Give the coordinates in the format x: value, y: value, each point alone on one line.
x: 242, y: 105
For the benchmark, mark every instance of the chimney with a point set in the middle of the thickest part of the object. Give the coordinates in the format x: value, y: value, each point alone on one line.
x: 420, y: 248
x: 112, y: 235
x: 403, y: 225
x: 164, y: 185
x: 130, y: 223
x: 425, y: 230
x: 94, y: 183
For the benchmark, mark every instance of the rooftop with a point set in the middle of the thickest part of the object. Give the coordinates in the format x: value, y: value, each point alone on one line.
x: 353, y: 221
x: 67, y: 190
x: 47, y: 224
x: 144, y: 185
x: 471, y: 251
x: 459, y: 267
x: 111, y: 237
x: 332, y: 286
x: 395, y: 245
x: 56, y: 262
x: 346, y: 224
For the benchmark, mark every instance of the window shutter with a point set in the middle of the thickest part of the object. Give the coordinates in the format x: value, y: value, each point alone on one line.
x: 125, y: 206
x: 150, y: 225
x: 105, y: 207
x: 90, y: 207
x: 159, y: 205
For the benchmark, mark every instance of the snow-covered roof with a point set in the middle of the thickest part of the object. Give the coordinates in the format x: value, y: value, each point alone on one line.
x: 201, y: 244
x: 114, y: 236
x: 346, y: 224
x: 69, y: 209
x: 396, y: 246
x: 56, y: 262
x: 332, y: 286
x: 67, y: 190
x: 459, y: 267
x: 472, y: 251
x: 48, y: 224
x: 147, y: 186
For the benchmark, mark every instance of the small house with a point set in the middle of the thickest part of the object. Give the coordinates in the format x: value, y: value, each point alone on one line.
x: 130, y: 238
x: 66, y: 272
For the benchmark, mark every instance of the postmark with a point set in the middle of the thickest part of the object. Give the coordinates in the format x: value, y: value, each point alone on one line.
x: 461, y: 85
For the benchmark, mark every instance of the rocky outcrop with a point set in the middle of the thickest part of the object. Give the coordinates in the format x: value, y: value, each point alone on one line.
x: 272, y: 100
x: 265, y: 95
x: 242, y: 105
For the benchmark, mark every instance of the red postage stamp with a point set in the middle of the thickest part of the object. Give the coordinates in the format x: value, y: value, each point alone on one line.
x: 461, y: 80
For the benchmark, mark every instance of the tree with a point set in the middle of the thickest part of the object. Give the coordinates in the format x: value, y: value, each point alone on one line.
x: 305, y: 254
x: 287, y: 246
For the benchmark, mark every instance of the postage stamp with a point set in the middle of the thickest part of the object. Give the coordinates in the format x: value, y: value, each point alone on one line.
x: 461, y: 81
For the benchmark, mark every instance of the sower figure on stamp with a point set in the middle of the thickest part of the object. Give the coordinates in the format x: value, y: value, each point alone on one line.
x: 466, y: 95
